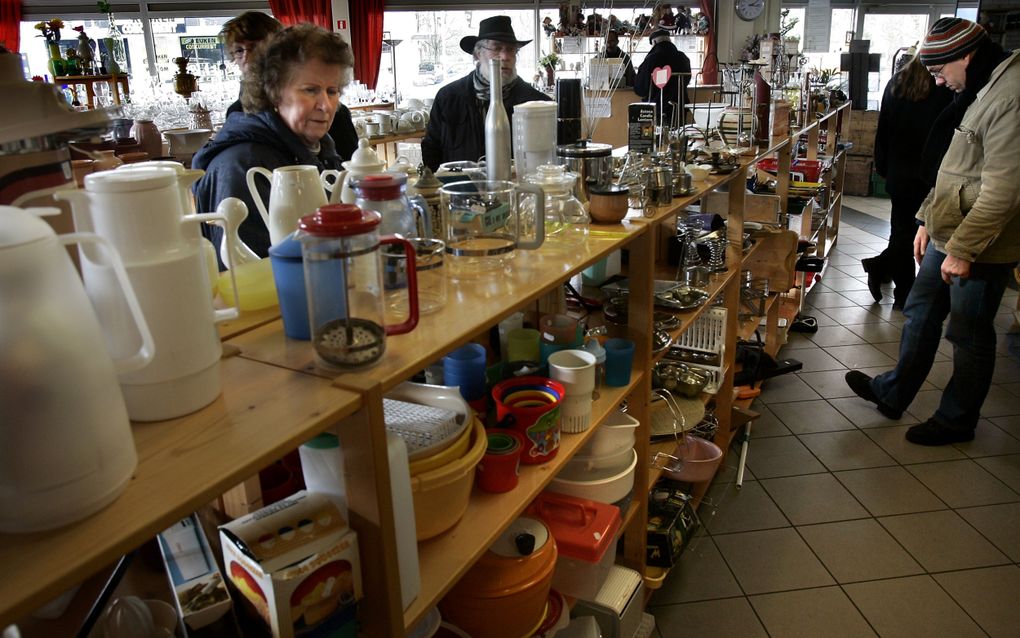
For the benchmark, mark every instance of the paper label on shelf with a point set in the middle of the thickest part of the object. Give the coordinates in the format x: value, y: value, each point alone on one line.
x: 598, y: 107
x: 573, y: 44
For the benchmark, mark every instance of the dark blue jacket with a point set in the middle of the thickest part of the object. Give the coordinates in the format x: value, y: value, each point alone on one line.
x: 245, y: 141
x: 456, y: 129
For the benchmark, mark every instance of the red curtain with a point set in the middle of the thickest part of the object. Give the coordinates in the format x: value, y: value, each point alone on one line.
x: 10, y: 24
x: 297, y: 11
x: 710, y: 68
x: 366, y: 39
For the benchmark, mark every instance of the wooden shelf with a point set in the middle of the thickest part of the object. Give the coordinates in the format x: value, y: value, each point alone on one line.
x: 183, y: 464
x: 275, y: 398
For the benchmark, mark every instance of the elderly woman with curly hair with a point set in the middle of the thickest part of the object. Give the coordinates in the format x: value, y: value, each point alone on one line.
x: 291, y: 94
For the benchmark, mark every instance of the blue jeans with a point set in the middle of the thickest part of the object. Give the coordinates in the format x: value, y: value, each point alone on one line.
x: 971, y: 305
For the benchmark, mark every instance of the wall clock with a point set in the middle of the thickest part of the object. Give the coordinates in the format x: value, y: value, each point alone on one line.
x: 749, y: 9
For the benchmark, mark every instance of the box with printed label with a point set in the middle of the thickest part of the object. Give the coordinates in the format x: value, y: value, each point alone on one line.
x: 641, y: 127
x: 296, y: 564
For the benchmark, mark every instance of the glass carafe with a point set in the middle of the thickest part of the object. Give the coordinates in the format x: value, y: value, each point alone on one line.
x: 386, y: 194
x: 565, y: 217
x: 344, y: 278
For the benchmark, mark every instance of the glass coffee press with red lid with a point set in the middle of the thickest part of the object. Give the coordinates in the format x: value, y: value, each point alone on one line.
x: 344, y: 278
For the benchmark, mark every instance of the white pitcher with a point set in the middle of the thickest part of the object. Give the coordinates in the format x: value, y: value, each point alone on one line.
x: 139, y: 211
x: 295, y: 191
x: 364, y: 161
x: 66, y: 449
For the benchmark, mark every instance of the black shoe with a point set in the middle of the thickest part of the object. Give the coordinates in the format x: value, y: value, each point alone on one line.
x: 898, y: 304
x: 860, y: 383
x: 931, y: 432
x: 871, y: 266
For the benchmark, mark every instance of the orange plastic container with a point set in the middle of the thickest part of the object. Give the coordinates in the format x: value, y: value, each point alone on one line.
x: 504, y: 594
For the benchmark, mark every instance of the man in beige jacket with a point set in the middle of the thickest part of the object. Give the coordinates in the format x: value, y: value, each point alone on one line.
x: 968, y: 238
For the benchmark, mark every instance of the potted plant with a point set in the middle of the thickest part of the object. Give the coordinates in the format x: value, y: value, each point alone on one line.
x: 549, y: 62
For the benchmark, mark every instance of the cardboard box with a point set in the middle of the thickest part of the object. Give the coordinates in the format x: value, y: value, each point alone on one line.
x: 296, y: 563
x: 200, y: 594
x: 857, y: 178
x: 863, y: 126
x: 641, y: 127
x: 672, y: 523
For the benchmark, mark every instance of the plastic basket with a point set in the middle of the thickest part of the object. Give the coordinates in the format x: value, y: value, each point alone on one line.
x: 708, y: 334
x: 801, y: 170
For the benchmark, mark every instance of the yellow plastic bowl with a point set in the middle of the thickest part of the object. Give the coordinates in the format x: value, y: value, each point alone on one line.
x: 450, y: 453
x: 441, y: 496
x: 255, y: 285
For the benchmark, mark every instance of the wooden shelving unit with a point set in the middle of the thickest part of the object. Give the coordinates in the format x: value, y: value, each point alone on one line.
x: 275, y: 398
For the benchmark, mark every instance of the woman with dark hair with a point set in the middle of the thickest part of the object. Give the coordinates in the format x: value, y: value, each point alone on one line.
x: 290, y: 95
x: 910, y: 105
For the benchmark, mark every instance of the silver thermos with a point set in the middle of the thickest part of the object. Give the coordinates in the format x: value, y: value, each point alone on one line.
x: 497, y: 128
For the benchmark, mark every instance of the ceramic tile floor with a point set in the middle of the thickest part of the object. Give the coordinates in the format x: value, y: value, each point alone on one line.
x: 842, y: 527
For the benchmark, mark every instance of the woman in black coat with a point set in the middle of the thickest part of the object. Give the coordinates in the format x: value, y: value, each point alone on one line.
x: 910, y: 105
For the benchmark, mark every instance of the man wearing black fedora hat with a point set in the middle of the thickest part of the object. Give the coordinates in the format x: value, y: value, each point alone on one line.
x: 456, y: 129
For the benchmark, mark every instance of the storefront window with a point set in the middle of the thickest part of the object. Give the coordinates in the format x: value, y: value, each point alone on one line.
x: 429, y: 55
x: 888, y: 32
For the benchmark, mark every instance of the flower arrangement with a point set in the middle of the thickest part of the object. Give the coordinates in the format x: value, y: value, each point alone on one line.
x: 549, y: 60
x: 50, y: 29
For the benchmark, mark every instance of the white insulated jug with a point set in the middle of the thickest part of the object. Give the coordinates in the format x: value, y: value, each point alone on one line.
x: 66, y: 449
x: 139, y: 211
x: 294, y: 191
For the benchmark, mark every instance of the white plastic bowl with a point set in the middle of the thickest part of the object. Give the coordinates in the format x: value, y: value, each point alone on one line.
x: 707, y: 114
x: 616, y: 433
x: 596, y: 485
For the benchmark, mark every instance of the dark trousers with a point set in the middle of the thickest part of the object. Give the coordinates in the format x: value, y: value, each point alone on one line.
x: 971, y: 305
x: 897, y: 260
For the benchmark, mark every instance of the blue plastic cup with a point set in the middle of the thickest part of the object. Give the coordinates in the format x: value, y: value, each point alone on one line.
x: 465, y: 367
x: 619, y: 361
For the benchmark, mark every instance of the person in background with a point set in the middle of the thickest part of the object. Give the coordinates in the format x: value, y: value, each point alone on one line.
x: 613, y: 50
x: 969, y: 240
x: 910, y: 105
x: 243, y: 37
x: 663, y: 53
x: 291, y: 93
x: 456, y: 128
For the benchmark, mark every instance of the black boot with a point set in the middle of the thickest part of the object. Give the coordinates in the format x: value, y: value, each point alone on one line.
x: 873, y: 266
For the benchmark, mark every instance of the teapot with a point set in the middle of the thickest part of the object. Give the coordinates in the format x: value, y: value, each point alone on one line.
x: 66, y: 450
x: 364, y: 161
x: 295, y: 191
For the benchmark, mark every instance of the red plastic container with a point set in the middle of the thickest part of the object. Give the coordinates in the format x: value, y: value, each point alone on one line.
x: 585, y: 533
x: 498, y: 471
x: 531, y: 406
x: 807, y: 170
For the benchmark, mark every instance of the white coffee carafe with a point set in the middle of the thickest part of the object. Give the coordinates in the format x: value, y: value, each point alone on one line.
x: 140, y: 212
x: 364, y: 161
x: 66, y: 448
x: 295, y: 191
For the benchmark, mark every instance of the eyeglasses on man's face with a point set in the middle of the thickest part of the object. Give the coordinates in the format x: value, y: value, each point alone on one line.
x: 936, y: 72
x: 508, y: 49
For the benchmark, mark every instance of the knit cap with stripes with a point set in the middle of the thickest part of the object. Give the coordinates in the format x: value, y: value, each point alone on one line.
x: 950, y: 39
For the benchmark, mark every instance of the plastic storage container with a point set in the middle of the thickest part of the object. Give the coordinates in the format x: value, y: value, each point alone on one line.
x: 585, y: 533
x: 441, y: 495
x: 614, y: 435
x: 604, y: 486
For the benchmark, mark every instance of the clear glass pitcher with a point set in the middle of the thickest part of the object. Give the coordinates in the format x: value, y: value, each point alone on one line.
x: 386, y: 194
x: 344, y: 279
x: 484, y: 226
x: 565, y: 216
